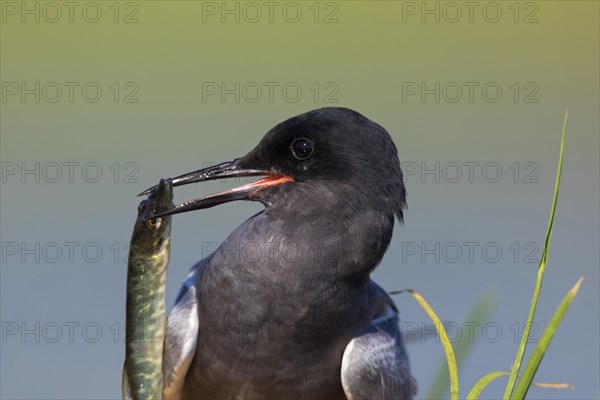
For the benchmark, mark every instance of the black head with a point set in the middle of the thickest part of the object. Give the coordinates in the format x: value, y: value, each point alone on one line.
x: 336, y: 147
x: 329, y: 155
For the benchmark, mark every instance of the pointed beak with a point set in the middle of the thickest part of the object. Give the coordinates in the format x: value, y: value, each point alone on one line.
x: 229, y: 169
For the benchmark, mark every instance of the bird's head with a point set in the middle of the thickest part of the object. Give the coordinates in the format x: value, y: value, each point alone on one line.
x: 329, y: 157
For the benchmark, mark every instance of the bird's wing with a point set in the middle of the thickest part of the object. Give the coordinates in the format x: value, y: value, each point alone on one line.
x: 375, y: 364
x: 182, y: 336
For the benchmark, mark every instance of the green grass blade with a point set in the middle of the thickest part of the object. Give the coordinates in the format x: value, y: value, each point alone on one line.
x: 481, y: 313
x: 540, y: 276
x: 483, y: 382
x: 539, y: 351
x: 450, y: 358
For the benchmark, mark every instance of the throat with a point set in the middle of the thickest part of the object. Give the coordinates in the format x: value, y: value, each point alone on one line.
x: 349, y: 243
x: 269, y: 264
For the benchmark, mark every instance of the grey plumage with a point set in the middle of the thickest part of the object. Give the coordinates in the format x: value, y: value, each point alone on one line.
x: 285, y: 308
x: 375, y: 364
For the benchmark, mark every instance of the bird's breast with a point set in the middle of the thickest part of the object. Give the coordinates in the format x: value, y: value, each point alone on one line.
x: 269, y: 336
x: 276, y: 311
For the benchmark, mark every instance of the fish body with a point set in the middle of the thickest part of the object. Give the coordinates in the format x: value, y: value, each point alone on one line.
x: 146, y: 287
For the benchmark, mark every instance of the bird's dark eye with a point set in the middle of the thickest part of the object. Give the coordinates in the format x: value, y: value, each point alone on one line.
x: 302, y: 148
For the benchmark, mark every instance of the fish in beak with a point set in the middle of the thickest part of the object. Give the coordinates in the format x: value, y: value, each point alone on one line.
x: 229, y: 169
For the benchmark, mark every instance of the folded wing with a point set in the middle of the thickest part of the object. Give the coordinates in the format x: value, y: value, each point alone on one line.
x: 375, y: 364
x: 182, y: 336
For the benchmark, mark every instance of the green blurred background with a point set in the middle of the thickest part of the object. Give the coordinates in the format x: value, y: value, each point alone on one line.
x: 100, y: 99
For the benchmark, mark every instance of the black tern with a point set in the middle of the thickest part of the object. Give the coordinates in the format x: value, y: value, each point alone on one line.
x: 285, y: 307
